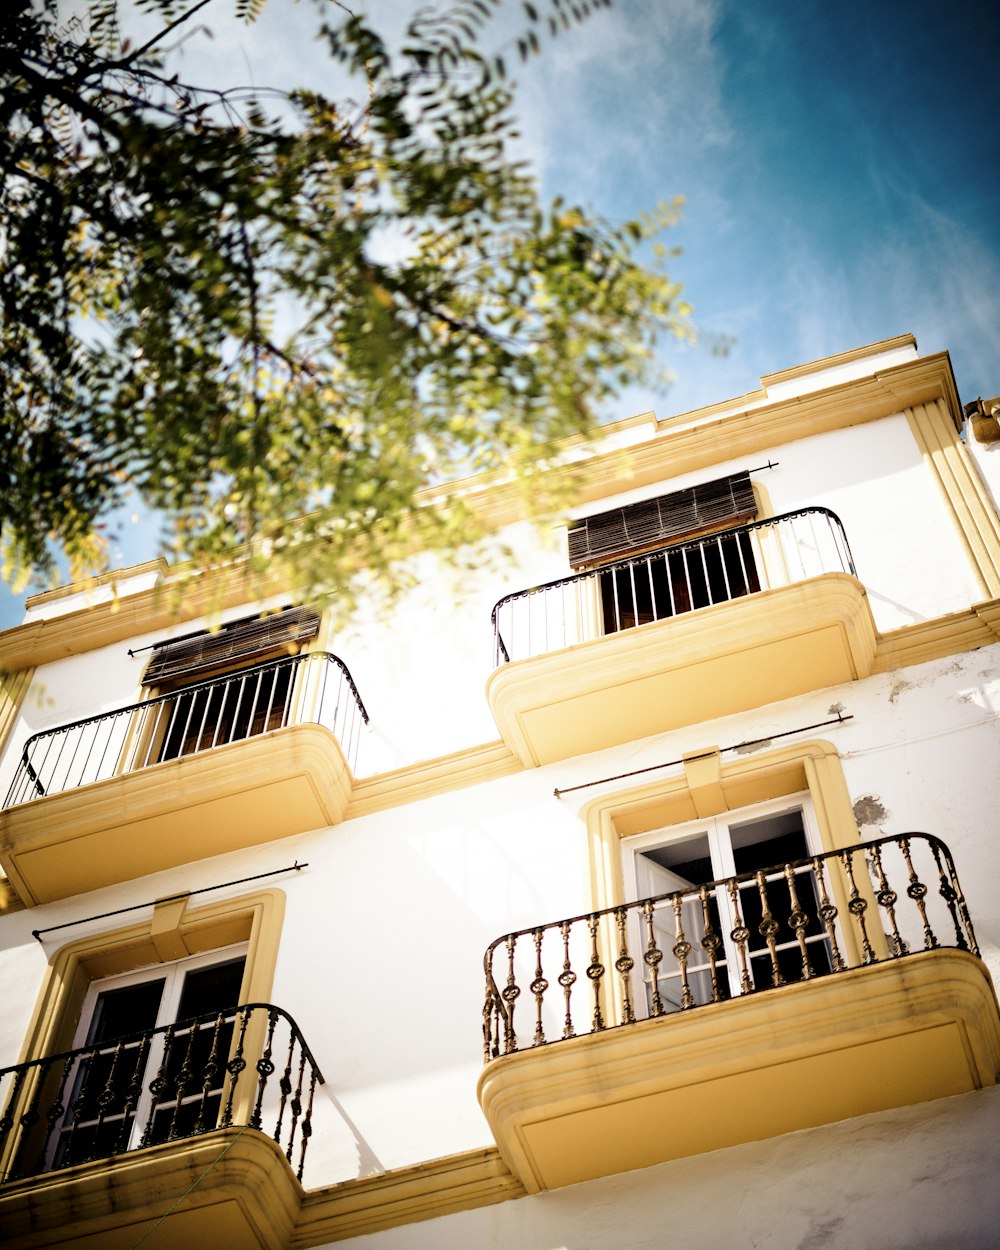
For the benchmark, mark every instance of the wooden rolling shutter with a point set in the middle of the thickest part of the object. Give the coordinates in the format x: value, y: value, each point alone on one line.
x: 657, y: 521
x: 246, y: 641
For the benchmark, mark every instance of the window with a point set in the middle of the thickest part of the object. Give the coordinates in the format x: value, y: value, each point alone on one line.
x: 155, y: 1046
x: 228, y: 685
x: 656, y: 583
x: 687, y: 858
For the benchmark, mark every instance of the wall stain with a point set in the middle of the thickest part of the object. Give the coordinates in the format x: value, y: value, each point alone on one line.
x: 870, y: 810
x: 898, y: 686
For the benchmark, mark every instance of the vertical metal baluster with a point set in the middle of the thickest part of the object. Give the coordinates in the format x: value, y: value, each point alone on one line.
x: 235, y: 1068
x: 614, y: 598
x: 307, y: 1123
x: 285, y: 1085
x: 154, y: 740
x: 109, y: 722
x: 254, y: 704
x: 652, y: 591
x: 296, y: 1103
x: 264, y: 1068
x: 510, y: 995
x: 887, y: 899
x: 208, y: 692
x: 7, y: 1119
x: 725, y: 571
x: 652, y: 958
x: 157, y: 1087
x: 917, y: 891
x: 31, y: 1115
x: 635, y: 594
x: 624, y: 965
x: 767, y: 929
x: 828, y: 914
x: 527, y: 609
x: 710, y: 942
x: 681, y: 949
x: 213, y: 1067
x: 63, y: 736
x: 538, y: 987
x: 491, y: 1015
x: 742, y: 558
x: 81, y: 737
x: 132, y: 1096
x: 104, y: 1100
x: 567, y: 979
x: 857, y: 906
x: 54, y: 1114
x: 595, y: 974
x: 670, y: 582
x: 798, y: 922
x: 191, y: 701
x: 740, y: 935
x: 704, y: 569
x: 220, y: 717
x: 948, y: 894
x: 969, y: 938
x: 183, y: 1081
x: 270, y: 699
x: 687, y: 577
x: 76, y: 1115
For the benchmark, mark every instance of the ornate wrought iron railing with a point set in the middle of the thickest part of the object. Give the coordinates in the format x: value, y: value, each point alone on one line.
x: 247, y: 1066
x: 823, y: 915
x: 670, y: 581
x: 313, y: 688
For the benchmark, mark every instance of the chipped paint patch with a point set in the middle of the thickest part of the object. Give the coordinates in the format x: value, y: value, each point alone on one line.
x: 870, y: 810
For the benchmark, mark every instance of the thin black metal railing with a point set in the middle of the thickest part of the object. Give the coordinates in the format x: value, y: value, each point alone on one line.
x: 247, y: 1066
x: 746, y: 934
x: 314, y: 688
x: 670, y: 581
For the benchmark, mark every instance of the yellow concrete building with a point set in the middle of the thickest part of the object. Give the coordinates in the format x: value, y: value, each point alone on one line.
x: 639, y: 891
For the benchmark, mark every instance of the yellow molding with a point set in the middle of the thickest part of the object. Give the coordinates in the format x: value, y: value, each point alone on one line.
x: 978, y: 626
x: 441, y: 775
x: 460, y: 1182
x: 227, y: 1190
x: 962, y: 489
x: 837, y: 360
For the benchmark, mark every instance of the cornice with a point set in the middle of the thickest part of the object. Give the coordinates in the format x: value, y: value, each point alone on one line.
x: 683, y: 444
x: 424, y: 1191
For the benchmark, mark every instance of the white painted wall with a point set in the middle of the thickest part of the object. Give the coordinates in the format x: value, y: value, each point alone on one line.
x: 917, y: 1178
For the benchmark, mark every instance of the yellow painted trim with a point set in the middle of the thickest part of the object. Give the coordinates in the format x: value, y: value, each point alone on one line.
x: 974, y: 516
x: 978, y: 626
x: 742, y: 781
x: 275, y: 785
x: 227, y: 1190
x: 252, y: 918
x: 441, y: 775
x: 460, y: 1182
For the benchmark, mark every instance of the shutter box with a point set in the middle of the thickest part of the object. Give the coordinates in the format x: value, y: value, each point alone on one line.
x: 655, y: 522
x: 240, y: 643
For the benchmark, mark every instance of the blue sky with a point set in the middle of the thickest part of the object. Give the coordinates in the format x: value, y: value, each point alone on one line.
x: 840, y: 164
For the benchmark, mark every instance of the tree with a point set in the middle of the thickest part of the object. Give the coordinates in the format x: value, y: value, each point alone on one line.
x: 197, y: 306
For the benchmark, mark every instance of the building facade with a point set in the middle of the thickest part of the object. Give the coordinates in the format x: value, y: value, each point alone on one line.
x: 639, y: 889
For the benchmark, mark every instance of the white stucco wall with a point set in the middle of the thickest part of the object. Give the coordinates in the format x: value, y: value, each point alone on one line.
x: 917, y: 1178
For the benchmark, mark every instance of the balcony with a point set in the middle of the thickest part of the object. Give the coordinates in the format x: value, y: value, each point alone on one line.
x: 721, y: 624
x: 232, y: 762
x: 102, y: 1140
x: 742, y: 1009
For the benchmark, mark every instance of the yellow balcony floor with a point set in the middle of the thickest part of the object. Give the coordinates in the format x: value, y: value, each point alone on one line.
x: 242, y: 794
x: 690, y: 668
x: 235, y: 1187
x: 866, y: 1040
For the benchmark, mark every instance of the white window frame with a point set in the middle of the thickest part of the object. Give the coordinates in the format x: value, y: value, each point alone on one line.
x: 173, y: 975
x: 716, y: 829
